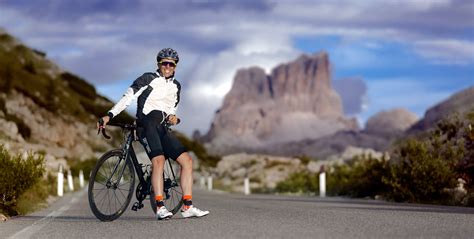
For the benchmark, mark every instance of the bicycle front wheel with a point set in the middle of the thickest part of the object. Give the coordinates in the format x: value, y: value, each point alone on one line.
x: 109, y: 194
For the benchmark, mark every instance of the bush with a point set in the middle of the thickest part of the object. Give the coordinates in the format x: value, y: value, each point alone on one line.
x: 427, y: 169
x: 299, y: 182
x: 359, y: 177
x: 79, y: 85
x: 419, y: 175
x: 6, y: 76
x: 16, y: 176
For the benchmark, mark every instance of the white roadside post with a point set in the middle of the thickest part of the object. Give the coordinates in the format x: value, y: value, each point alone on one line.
x: 209, y: 182
x: 202, y: 182
x: 81, y: 178
x: 246, y: 182
x: 322, y: 182
x: 246, y: 186
x: 69, y: 181
x: 60, y: 181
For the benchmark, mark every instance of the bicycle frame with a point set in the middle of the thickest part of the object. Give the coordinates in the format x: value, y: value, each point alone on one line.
x: 129, y: 154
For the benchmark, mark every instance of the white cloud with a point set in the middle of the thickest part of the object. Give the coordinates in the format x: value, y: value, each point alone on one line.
x: 446, y: 51
x: 213, y: 76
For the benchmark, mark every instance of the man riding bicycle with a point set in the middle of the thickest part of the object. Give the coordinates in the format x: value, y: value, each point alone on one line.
x: 158, y: 98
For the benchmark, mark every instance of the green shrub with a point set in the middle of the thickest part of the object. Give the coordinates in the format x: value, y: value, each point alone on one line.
x: 30, y: 67
x: 419, y: 175
x: 299, y: 182
x: 16, y: 176
x: 305, y: 159
x: 359, y: 177
x: 423, y: 169
x: 6, y: 77
x: 79, y: 85
x: 5, y: 38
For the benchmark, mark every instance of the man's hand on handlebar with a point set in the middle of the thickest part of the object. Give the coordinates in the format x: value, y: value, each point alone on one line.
x: 102, y: 122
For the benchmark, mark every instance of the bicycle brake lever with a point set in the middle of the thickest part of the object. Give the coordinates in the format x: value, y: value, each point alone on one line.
x: 105, y: 134
x: 101, y: 127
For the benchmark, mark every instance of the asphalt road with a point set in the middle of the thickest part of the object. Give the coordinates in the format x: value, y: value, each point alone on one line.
x: 253, y: 216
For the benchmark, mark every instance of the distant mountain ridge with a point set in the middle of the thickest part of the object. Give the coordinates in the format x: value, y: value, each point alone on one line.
x: 460, y: 103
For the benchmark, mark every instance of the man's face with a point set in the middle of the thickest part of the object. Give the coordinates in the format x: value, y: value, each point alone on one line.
x: 167, y: 67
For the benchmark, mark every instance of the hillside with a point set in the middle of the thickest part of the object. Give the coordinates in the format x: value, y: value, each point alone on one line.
x: 46, y: 109
x: 460, y: 103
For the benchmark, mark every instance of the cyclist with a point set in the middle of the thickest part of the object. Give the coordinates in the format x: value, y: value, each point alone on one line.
x: 158, y: 97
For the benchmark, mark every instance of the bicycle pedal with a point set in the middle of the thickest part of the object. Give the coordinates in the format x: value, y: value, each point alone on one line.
x: 135, y: 207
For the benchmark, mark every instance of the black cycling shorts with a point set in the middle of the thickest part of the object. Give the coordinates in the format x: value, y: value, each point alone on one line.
x: 156, y: 138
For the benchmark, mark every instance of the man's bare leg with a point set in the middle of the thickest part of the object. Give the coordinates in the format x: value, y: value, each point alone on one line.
x: 158, y: 163
x: 186, y: 163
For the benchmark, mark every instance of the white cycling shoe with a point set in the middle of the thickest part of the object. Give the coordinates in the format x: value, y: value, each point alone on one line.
x: 193, y: 212
x: 163, y: 213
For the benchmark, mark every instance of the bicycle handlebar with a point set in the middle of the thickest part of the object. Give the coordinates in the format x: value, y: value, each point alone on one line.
x: 123, y: 126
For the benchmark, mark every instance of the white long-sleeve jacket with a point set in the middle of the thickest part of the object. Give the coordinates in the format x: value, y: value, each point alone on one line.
x: 154, y: 92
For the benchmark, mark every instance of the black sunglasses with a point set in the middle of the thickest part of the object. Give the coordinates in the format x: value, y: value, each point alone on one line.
x: 168, y: 63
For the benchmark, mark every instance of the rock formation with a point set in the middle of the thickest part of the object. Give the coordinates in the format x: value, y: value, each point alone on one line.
x: 294, y: 102
x: 388, y: 121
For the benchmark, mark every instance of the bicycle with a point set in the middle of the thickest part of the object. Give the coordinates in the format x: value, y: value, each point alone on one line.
x: 112, y: 181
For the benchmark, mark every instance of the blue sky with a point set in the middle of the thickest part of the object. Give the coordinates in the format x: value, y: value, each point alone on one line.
x: 394, y: 74
x: 406, y: 53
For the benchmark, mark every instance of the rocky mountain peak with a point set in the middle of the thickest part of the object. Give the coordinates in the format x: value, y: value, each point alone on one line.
x: 305, y: 75
x: 250, y: 85
x: 295, y: 101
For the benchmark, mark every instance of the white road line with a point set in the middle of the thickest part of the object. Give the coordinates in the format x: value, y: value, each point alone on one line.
x: 29, y: 231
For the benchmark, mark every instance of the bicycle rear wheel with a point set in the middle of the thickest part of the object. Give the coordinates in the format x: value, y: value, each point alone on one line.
x: 110, y: 195
x: 173, y: 195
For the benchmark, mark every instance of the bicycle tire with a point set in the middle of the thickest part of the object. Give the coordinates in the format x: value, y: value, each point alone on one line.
x: 104, y: 197
x: 173, y: 200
